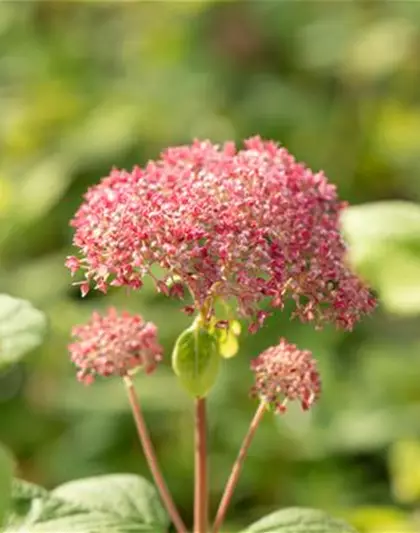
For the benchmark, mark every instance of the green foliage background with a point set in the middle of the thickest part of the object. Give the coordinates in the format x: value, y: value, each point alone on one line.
x: 85, y: 86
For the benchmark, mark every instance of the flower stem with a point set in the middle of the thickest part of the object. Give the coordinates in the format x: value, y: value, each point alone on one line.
x: 200, y: 482
x: 236, y: 469
x: 151, y: 458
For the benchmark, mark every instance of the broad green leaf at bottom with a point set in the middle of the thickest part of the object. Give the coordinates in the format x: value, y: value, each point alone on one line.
x: 123, y: 495
x: 119, y: 503
x: 299, y: 520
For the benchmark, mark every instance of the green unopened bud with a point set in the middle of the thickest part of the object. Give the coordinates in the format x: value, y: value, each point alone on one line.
x: 196, y: 359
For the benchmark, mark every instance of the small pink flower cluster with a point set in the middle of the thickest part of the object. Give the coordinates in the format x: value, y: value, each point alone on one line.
x: 114, y: 345
x: 244, y: 225
x: 283, y: 373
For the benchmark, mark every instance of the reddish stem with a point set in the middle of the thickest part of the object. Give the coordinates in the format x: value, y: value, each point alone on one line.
x: 236, y: 469
x: 200, y: 456
x: 151, y: 458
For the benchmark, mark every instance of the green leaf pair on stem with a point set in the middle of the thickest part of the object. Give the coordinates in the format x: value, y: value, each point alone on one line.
x: 124, y: 503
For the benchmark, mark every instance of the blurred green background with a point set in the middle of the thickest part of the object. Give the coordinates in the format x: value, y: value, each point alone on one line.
x: 85, y: 86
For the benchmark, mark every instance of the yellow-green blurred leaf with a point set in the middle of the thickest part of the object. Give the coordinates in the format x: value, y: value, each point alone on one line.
x: 404, y: 464
x: 41, y: 187
x: 229, y: 347
x: 5, y: 195
x: 228, y: 339
x: 384, y: 242
x: 381, y: 520
x: 235, y: 327
x: 379, y: 49
x: 399, y: 281
x: 22, y: 328
x: 299, y: 520
x: 379, y: 222
x: 397, y: 131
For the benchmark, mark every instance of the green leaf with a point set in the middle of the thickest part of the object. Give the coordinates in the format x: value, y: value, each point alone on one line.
x: 6, y: 473
x: 29, y: 501
x: 384, y: 240
x: 382, y: 519
x: 22, y: 328
x: 196, y: 359
x: 118, y: 503
x: 398, y: 279
x: 299, y: 520
x: 125, y: 495
x: 388, y: 221
x: 229, y: 347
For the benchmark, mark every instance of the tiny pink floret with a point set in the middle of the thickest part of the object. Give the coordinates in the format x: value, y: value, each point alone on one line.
x: 284, y: 373
x: 244, y: 225
x: 73, y: 264
x: 114, y: 345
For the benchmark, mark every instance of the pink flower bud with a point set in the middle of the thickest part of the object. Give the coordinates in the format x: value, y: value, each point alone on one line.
x: 73, y: 264
x: 284, y: 373
x: 114, y: 344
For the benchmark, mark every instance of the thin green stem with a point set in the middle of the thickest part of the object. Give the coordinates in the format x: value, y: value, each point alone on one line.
x: 236, y: 469
x: 151, y: 458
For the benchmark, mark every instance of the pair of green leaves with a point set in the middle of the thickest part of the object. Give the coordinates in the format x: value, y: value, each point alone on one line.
x: 198, y: 351
x: 125, y: 503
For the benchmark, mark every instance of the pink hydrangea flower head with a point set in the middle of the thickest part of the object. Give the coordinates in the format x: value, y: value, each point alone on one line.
x: 114, y: 344
x: 241, y: 225
x: 284, y: 373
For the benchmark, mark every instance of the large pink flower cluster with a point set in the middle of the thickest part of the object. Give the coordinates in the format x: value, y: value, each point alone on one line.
x: 244, y: 225
x: 114, y: 345
x: 284, y: 373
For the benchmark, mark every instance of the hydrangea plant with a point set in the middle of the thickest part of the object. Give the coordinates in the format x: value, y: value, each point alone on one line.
x: 233, y: 233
